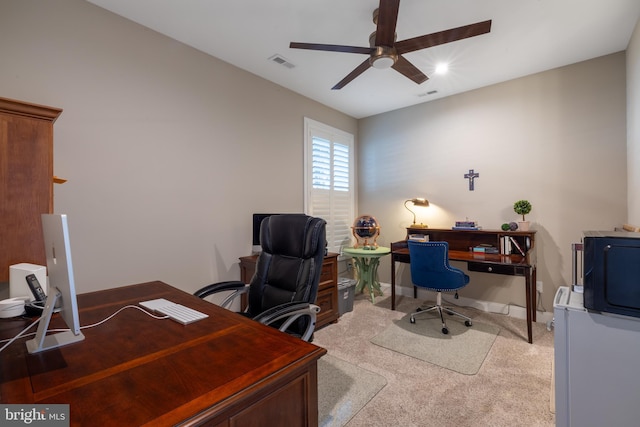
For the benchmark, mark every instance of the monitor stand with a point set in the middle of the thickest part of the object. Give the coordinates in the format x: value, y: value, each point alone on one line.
x: 42, y: 341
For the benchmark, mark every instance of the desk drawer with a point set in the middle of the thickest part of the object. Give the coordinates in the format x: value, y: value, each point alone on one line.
x: 326, y: 300
x: 509, y: 270
x: 327, y: 273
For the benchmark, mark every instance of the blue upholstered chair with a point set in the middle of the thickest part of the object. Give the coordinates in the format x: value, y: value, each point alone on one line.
x: 430, y: 269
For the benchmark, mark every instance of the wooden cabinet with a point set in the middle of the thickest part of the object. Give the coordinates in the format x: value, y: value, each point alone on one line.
x: 26, y: 180
x: 327, y: 298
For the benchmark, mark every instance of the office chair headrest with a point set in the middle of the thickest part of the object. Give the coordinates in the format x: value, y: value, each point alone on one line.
x: 294, y: 235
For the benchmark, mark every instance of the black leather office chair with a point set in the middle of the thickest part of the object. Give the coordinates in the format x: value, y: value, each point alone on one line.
x: 284, y: 287
x: 430, y: 269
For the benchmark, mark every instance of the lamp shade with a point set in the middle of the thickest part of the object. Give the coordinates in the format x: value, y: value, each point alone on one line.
x: 420, y: 202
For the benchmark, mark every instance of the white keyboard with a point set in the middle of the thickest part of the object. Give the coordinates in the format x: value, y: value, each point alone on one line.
x: 177, y: 312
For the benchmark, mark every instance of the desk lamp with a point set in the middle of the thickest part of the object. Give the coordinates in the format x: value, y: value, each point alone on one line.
x: 417, y: 202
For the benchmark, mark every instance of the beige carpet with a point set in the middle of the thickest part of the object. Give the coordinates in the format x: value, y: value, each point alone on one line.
x: 512, y: 387
x: 462, y: 350
x: 343, y: 389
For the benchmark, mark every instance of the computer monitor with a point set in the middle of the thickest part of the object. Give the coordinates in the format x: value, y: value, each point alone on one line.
x: 62, y: 289
x: 257, y: 221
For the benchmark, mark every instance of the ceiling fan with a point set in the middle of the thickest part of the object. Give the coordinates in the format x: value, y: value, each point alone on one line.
x: 385, y: 51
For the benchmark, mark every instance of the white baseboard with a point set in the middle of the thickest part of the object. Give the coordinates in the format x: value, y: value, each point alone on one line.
x: 486, y: 306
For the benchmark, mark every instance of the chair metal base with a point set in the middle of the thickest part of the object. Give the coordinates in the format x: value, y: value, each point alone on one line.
x: 441, y: 309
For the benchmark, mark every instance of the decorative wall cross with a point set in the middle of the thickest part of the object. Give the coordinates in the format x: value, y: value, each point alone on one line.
x: 471, y: 176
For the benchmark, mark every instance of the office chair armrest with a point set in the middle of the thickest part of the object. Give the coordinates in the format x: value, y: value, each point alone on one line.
x: 238, y: 288
x: 291, y: 311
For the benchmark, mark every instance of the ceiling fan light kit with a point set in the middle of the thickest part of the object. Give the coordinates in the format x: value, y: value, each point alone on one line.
x: 385, y: 51
x: 384, y: 57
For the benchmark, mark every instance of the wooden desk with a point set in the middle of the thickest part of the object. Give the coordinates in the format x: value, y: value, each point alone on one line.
x: 134, y: 370
x: 460, y: 242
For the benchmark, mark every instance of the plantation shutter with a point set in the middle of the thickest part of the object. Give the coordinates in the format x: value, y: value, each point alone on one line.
x: 329, y: 181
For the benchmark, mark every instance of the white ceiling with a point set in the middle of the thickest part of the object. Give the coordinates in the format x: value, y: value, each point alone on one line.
x: 527, y: 36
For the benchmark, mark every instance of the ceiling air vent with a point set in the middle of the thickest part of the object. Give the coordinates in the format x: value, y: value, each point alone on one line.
x: 280, y: 60
x: 431, y: 92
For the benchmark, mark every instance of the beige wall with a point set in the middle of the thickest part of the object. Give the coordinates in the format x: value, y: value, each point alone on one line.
x: 167, y: 151
x: 556, y: 138
x: 161, y: 144
x: 633, y: 126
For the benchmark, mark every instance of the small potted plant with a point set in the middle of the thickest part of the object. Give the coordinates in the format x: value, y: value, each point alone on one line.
x: 522, y: 207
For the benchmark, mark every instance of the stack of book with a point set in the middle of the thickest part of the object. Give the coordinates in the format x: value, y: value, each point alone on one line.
x: 509, y: 245
x: 486, y: 249
x: 419, y: 237
x: 466, y: 225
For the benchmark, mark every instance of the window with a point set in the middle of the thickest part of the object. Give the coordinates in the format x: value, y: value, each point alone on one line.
x: 329, y: 180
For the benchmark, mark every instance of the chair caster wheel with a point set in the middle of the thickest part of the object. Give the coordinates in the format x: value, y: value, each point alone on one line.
x: 468, y: 323
x: 445, y: 331
x: 412, y: 320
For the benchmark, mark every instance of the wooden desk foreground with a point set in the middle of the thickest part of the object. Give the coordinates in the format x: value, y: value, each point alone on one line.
x: 135, y: 370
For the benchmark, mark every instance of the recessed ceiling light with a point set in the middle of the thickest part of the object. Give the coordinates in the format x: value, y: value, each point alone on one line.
x: 442, y: 68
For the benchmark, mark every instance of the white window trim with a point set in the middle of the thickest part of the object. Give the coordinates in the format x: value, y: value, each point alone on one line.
x: 314, y: 128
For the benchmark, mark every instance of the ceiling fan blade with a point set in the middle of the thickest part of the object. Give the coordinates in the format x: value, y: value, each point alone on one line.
x: 409, y: 70
x: 331, y: 47
x: 352, y: 75
x: 387, y: 18
x: 442, y: 37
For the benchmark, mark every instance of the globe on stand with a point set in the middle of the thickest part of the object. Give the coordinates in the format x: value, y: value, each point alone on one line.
x: 364, y: 229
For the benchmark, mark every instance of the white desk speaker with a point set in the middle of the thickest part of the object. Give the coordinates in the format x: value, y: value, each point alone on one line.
x: 18, y: 283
